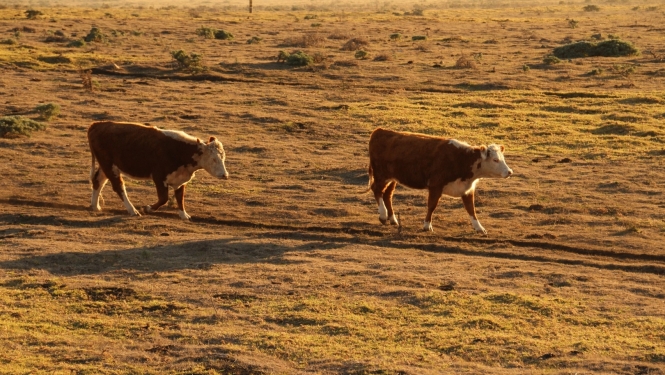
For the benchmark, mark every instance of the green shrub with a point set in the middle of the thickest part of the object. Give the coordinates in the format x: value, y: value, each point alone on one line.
x: 76, y: 43
x: 11, y: 126
x: 591, y: 8
x: 206, y: 32
x: 360, y: 54
x: 551, y: 60
x: 221, y: 34
x: 95, y: 35
x: 419, y: 37
x: 32, y: 14
x: 395, y: 36
x: 48, y: 111
x: 192, y: 61
x: 299, y: 58
x: 607, y: 48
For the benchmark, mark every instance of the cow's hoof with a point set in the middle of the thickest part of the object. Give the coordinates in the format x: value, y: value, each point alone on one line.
x: 96, y: 209
x: 147, y: 209
x: 383, y: 221
x: 427, y: 227
x: 482, y: 231
x: 393, y: 220
x: 183, y: 215
x: 135, y: 213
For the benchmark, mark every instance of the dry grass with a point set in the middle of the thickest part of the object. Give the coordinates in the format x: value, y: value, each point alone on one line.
x: 285, y: 268
x: 355, y: 44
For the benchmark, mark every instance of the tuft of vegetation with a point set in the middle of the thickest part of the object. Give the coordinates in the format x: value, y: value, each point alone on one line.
x: 48, y: 111
x: 355, y: 44
x: 361, y: 55
x: 223, y: 35
x: 192, y: 62
x: 311, y: 17
x: 419, y: 37
x: 591, y: 8
x: 608, y: 48
x: 338, y: 35
x: 254, y: 40
x: 95, y: 35
x: 595, y: 72
x: 212, y: 33
x: 15, y: 126
x: 304, y: 41
x: 551, y: 60
x: 9, y: 42
x: 526, y: 68
x: 76, y: 43
x: 32, y: 14
x: 383, y: 57
x: 86, y: 80
x: 395, y: 36
x: 299, y: 58
x: 464, y: 62
x: 573, y: 24
x: 316, y: 24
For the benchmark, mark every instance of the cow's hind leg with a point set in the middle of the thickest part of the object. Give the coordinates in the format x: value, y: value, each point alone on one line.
x: 432, y: 202
x: 162, y: 195
x: 180, y: 199
x: 98, y: 181
x: 388, y: 201
x: 119, y: 187
x: 378, y: 187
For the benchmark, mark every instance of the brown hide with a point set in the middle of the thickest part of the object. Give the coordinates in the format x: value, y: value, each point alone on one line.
x: 139, y: 151
x: 419, y: 161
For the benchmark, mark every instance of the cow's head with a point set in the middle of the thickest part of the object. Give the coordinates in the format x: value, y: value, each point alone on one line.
x: 493, y: 163
x: 213, y: 157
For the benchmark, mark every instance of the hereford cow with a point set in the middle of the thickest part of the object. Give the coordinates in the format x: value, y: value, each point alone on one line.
x: 168, y: 157
x: 441, y: 165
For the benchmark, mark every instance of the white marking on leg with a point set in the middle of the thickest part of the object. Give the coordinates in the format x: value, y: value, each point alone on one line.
x: 427, y: 226
x: 184, y: 215
x: 393, y: 220
x: 477, y: 226
x: 383, y: 211
x: 148, y: 209
x: 128, y: 205
x: 96, y: 194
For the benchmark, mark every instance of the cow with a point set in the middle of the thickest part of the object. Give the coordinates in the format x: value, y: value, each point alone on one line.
x: 440, y: 165
x: 167, y: 157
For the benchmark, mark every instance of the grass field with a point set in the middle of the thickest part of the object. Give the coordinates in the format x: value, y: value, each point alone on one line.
x: 284, y: 268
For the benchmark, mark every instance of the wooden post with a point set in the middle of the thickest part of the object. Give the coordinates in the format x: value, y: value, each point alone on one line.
x: 250, y: 6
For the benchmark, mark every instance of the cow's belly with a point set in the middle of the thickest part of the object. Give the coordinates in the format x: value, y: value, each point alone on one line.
x: 135, y: 174
x: 458, y: 187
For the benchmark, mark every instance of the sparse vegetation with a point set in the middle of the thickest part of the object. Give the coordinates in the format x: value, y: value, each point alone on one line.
x: 395, y: 36
x: 95, y: 35
x: 464, y: 62
x: 48, y: 111
x: 9, y: 41
x: 608, y: 48
x: 189, y: 61
x: 212, y: 33
x: 307, y: 40
x: 591, y: 8
x: 254, y: 40
x: 383, y: 57
x: 32, y: 14
x: 573, y: 24
x: 76, y: 43
x: 361, y: 55
x: 355, y: 44
x: 416, y: 38
x: 15, y: 126
x: 297, y: 58
x: 551, y: 60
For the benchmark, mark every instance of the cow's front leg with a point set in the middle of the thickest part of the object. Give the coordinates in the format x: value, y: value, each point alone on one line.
x: 180, y: 199
x: 388, y: 201
x: 470, y: 207
x: 432, y: 202
x: 162, y: 195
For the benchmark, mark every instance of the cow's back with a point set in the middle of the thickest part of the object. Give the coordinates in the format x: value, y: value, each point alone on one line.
x: 135, y: 149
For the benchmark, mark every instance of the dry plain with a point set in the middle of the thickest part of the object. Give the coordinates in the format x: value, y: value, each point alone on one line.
x: 285, y: 268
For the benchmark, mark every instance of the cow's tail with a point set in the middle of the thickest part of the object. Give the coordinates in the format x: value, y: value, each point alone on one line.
x: 370, y: 172
x: 92, y: 168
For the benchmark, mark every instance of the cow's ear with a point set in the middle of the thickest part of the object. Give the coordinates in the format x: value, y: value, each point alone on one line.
x: 502, y: 148
x: 483, y: 152
x: 212, y: 139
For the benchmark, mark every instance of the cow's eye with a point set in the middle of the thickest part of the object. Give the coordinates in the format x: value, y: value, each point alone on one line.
x: 496, y: 160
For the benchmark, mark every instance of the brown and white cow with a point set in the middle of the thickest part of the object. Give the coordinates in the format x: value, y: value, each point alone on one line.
x: 441, y: 165
x: 168, y: 157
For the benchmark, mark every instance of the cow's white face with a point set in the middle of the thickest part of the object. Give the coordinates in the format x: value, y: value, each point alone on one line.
x: 213, y: 157
x: 494, y: 164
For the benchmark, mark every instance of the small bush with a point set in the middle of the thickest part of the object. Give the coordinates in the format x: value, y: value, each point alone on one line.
x: 526, y: 68
x: 223, y: 35
x: 9, y: 42
x: 86, y: 79
x: 573, y: 24
x: 551, y: 60
x: 13, y: 126
x: 311, y: 17
x: 383, y: 57
x: 395, y: 36
x: 95, y: 35
x: 254, y: 40
x: 608, y: 48
x: 76, y: 43
x: 595, y: 72
x: 317, y: 24
x: 304, y: 41
x: 419, y: 37
x: 338, y: 35
x: 206, y: 32
x: 355, y: 44
x: 361, y: 55
x: 591, y: 8
x: 418, y: 11
x: 299, y: 58
x: 598, y: 36
x: 465, y: 63
x: 192, y: 61
x: 32, y: 14
x: 48, y: 111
